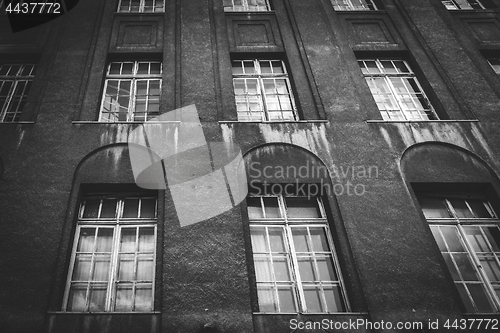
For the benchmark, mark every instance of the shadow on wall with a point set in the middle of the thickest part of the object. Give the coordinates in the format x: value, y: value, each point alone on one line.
x: 1, y: 168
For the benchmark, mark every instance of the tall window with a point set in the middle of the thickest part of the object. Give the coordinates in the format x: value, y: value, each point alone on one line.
x: 356, y: 5
x: 396, y: 90
x: 131, y: 91
x: 465, y: 4
x: 141, y: 6
x: 262, y: 90
x: 295, y: 262
x: 113, y: 260
x: 467, y: 231
x: 15, y: 84
x: 246, y: 5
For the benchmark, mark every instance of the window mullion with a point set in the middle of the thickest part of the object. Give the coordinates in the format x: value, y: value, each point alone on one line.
x: 131, y: 107
x: 298, y: 290
x: 387, y: 79
x: 111, y: 288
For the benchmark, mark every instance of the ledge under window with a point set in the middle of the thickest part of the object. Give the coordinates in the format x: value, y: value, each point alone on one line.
x: 422, y: 121
x: 272, y: 122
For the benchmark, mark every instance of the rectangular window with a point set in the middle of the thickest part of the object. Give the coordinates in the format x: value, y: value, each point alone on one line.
x: 356, y: 5
x: 396, y: 90
x: 141, y: 6
x: 495, y: 64
x: 131, y: 91
x: 15, y: 84
x: 467, y: 4
x: 295, y: 263
x: 114, y: 255
x: 467, y: 231
x: 246, y: 6
x: 262, y: 90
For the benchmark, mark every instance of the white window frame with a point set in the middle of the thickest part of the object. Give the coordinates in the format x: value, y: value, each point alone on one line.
x: 261, y: 95
x: 460, y: 224
x: 463, y: 4
x: 142, y: 7
x: 14, y: 98
x: 245, y: 6
x: 401, y: 113
x: 117, y: 224
x: 133, y: 78
x: 287, y: 224
x: 348, y: 5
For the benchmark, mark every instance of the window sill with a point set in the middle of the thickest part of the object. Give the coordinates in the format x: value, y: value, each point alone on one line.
x: 358, y: 11
x: 251, y: 12
x: 311, y: 313
x: 273, y: 122
x: 79, y: 122
x: 102, y: 313
x: 18, y: 122
x: 421, y: 121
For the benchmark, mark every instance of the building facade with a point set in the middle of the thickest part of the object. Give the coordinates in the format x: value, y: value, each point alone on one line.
x: 366, y: 132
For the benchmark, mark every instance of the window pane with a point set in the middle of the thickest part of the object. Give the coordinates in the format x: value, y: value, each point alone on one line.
x: 469, y: 307
x: 91, y: 209
x: 281, y: 271
x: 326, y: 270
x: 271, y: 207
x: 77, y: 298
x: 104, y: 240
x: 480, y: 297
x: 439, y: 239
x: 306, y: 269
x: 143, y: 298
x: 262, y: 269
x: 131, y: 208
x: 101, y: 268
x: 452, y: 239
x: 126, y: 268
x: 259, y: 243
x: 319, y: 240
x: 313, y: 299
x: 146, y: 240
x: 286, y: 299
x: 267, y: 299
x: 433, y: 207
x: 123, y: 298
x: 276, y: 239
x: 465, y: 267
x: 300, y: 239
x: 491, y: 268
x: 451, y: 266
x: 148, y: 208
x: 479, y: 209
x: 86, y: 242
x: 254, y: 208
x: 97, y: 297
x: 145, y: 269
x: 81, y: 270
x: 108, y: 209
x: 334, y: 299
x: 127, y: 242
x: 461, y: 208
x: 302, y: 207
x: 476, y: 239
x: 493, y: 235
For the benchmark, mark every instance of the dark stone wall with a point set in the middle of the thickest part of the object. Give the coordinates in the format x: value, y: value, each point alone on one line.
x: 394, y: 269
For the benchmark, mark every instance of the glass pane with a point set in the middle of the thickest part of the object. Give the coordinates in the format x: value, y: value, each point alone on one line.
x: 313, y: 300
x: 271, y: 207
x: 127, y: 68
x: 491, y: 268
x: 452, y: 239
x: 326, y: 270
x: 97, y: 298
x: 451, y: 267
x: 254, y: 208
x: 461, y: 208
x: 262, y: 269
x: 333, y: 299
x: 469, y: 307
x: 108, y: 209
x: 302, y: 207
x: 439, y: 239
x: 480, y: 297
x: 101, y: 268
x: 81, y: 270
x: 127, y: 242
x: 465, y: 267
x: 104, y: 240
x: 493, y: 235
x: 276, y: 239
x: 91, y: 209
x: 476, y: 239
x: 287, y: 303
x: 433, y: 207
x: 148, y: 208
x: 146, y: 240
x: 300, y: 239
x: 123, y: 298
x: 267, y: 299
x: 143, y: 298
x: 479, y: 209
x: 281, y: 269
x: 131, y: 208
x: 259, y: 243
x: 319, y: 240
x: 145, y: 269
x: 86, y: 242
x: 76, y: 301
x: 126, y: 268
x: 306, y: 269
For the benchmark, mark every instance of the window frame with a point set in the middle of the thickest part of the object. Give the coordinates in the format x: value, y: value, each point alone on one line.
x: 287, y: 224
x: 349, y: 6
x: 261, y: 95
x: 117, y: 224
x: 401, y: 112
x: 245, y: 6
x: 16, y: 79
x: 495, y: 67
x: 142, y: 7
x: 453, y: 5
x: 133, y: 78
x: 460, y: 224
